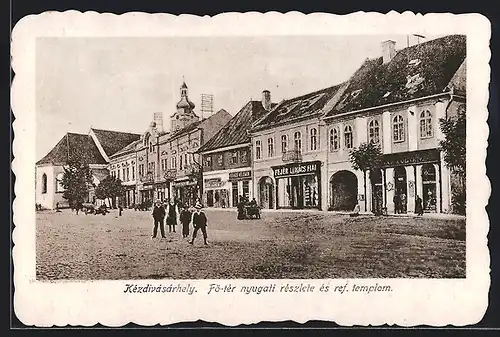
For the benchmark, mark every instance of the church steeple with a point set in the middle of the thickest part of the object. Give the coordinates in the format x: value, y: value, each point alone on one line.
x: 184, y: 89
x: 185, y: 114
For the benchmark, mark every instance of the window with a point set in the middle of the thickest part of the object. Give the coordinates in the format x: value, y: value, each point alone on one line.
x: 44, y: 183
x: 246, y: 189
x: 133, y: 172
x: 334, y: 139
x: 208, y: 161
x: 59, y: 186
x: 258, y: 149
x: 314, y: 139
x: 141, y: 169
x: 234, y: 157
x: 180, y: 162
x: 398, y: 129
x: 220, y: 160
x: 128, y: 174
x: 123, y: 176
x: 426, y: 124
x: 163, y: 165
x: 284, y: 143
x: 186, y: 160
x: 374, y: 131
x: 243, y: 156
x: 174, y: 162
x: 270, y: 147
x: 348, y: 137
x: 151, y: 147
x: 297, y: 141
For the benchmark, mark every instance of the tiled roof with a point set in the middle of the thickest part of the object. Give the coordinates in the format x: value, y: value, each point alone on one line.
x: 301, y: 107
x: 186, y: 129
x: 129, y: 148
x: 73, y: 146
x: 414, y: 72
x: 235, y: 131
x: 114, y: 141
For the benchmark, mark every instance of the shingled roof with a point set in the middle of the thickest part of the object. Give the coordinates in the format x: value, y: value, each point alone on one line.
x: 114, y: 141
x: 414, y: 72
x: 234, y: 132
x: 73, y: 146
x: 129, y: 148
x: 299, y: 108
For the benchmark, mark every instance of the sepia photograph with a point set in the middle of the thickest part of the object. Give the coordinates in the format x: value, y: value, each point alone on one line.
x: 329, y: 167
x: 251, y: 157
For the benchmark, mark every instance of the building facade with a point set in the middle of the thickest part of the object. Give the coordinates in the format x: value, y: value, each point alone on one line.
x: 227, y: 157
x: 164, y: 165
x: 395, y: 101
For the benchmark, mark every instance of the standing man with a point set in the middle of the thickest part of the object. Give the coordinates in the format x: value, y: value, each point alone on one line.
x: 403, y: 203
x: 185, y: 220
x: 158, y: 216
x: 172, y: 215
x: 199, y: 220
x: 419, y: 210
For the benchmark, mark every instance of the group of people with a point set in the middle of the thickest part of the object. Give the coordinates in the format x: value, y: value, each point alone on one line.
x: 243, y: 201
x: 400, y: 204
x: 179, y: 214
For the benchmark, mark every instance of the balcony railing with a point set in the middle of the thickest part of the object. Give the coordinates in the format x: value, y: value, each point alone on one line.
x: 170, y: 174
x: 146, y: 177
x: 292, y: 156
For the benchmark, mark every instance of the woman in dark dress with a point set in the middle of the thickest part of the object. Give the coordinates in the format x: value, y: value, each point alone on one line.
x: 419, y: 210
x: 185, y: 220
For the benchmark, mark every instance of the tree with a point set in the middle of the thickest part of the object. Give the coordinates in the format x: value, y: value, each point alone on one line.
x: 77, y: 179
x: 367, y: 157
x: 453, y: 147
x: 109, y: 188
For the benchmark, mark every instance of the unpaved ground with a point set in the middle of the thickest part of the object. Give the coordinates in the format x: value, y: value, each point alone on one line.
x: 280, y: 245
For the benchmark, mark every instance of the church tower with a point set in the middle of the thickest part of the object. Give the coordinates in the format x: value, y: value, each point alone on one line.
x: 185, y: 111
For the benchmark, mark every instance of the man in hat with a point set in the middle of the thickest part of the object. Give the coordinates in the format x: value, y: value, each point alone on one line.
x: 172, y: 215
x: 199, y: 221
x: 158, y: 216
x: 185, y: 218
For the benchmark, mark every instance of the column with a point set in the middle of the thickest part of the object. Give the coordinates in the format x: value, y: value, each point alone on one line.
x: 446, y: 193
x: 412, y: 128
x: 250, y: 189
x: 368, y: 195
x: 410, y: 188
x: 360, y: 131
x: 324, y: 187
x: 438, y: 188
x: 386, y: 132
x: 389, y: 174
x: 419, y: 182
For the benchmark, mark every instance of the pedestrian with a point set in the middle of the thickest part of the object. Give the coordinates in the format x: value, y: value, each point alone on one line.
x: 172, y: 215
x: 185, y: 220
x: 120, y: 210
x: 199, y: 221
x: 395, y: 200
x: 158, y: 216
x: 57, y: 208
x: 403, y: 203
x: 419, y: 210
x: 241, y: 208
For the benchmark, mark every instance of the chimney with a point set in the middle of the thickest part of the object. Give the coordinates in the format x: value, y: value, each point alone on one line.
x: 158, y: 119
x: 388, y: 50
x: 266, y: 100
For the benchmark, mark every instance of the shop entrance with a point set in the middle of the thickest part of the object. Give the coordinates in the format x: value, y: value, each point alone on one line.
x: 344, y: 187
x: 377, y: 188
x: 400, y: 190
x: 429, y: 188
x: 266, y: 188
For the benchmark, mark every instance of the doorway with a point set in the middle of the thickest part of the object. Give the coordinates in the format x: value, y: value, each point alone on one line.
x: 400, y: 190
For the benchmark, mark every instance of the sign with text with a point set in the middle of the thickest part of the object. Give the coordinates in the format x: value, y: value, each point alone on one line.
x: 242, y: 175
x: 296, y: 169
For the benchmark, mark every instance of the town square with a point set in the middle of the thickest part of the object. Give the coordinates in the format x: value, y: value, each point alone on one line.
x: 360, y: 176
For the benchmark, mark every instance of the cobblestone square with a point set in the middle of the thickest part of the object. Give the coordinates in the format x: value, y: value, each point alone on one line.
x: 280, y: 245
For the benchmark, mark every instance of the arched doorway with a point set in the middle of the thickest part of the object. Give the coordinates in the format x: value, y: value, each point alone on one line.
x: 429, y: 187
x: 377, y: 194
x: 400, y: 191
x: 344, y: 187
x: 266, y: 188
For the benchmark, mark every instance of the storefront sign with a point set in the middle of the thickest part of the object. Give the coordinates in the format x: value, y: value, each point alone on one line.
x: 214, y: 183
x: 185, y: 183
x: 410, y: 158
x: 296, y: 169
x: 242, y: 175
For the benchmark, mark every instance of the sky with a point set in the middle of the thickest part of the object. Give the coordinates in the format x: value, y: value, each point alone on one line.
x: 119, y: 83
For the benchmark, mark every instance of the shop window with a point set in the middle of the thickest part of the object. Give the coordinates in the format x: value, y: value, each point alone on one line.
x: 334, y: 139
x: 234, y: 157
x: 348, y: 138
x: 398, y: 129
x: 374, y: 131
x: 258, y: 149
x: 284, y: 143
x: 270, y: 147
x: 297, y: 137
x: 246, y: 190
x: 314, y: 139
x: 59, y: 186
x: 235, y: 196
x: 426, y: 124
